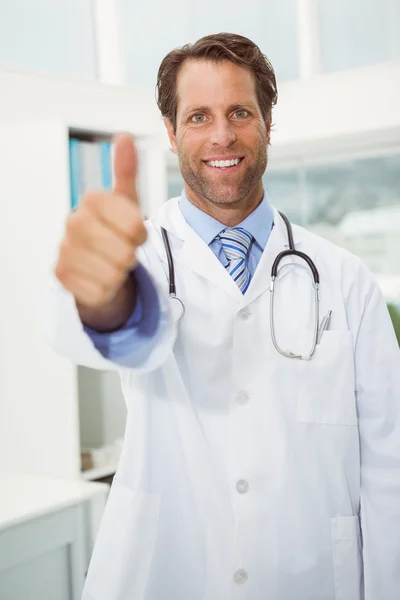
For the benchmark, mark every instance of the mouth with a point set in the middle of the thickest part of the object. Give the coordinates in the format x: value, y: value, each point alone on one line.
x: 231, y: 164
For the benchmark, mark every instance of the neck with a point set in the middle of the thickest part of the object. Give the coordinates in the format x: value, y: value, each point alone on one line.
x: 230, y: 213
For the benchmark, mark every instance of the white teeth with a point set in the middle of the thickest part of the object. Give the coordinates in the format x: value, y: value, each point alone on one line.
x: 222, y: 164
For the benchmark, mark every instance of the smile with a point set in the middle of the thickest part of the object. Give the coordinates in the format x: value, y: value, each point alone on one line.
x: 224, y: 164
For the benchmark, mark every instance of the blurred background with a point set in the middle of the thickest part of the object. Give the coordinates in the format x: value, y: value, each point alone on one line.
x: 73, y: 73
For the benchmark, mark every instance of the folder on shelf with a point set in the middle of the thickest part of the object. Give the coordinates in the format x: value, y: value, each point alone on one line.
x: 90, y: 167
x: 106, y: 168
x: 74, y: 171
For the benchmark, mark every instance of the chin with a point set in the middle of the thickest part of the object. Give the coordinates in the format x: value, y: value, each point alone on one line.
x: 225, y: 196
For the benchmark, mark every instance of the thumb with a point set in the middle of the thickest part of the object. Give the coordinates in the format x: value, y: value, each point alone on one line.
x: 125, y: 166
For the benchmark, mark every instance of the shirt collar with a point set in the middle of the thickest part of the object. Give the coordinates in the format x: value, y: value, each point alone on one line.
x: 258, y: 223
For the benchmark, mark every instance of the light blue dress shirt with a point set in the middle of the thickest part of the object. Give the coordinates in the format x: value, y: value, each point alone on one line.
x: 139, y: 334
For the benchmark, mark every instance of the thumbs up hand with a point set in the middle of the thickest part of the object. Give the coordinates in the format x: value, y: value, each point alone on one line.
x: 102, y: 235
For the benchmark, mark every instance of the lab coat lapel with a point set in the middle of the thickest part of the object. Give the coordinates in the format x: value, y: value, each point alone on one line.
x: 194, y: 253
x: 277, y: 242
x: 199, y: 257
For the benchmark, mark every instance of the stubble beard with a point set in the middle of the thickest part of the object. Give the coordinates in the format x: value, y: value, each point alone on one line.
x: 223, y: 193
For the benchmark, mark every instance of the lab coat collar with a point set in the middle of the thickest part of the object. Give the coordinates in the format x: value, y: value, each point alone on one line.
x: 198, y: 257
x: 258, y: 223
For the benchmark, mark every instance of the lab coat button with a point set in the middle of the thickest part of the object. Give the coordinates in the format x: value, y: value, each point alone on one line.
x: 242, y: 486
x: 242, y: 397
x: 240, y: 576
x: 244, y: 313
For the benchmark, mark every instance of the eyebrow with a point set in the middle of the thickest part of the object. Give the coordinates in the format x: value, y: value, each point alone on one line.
x: 200, y: 109
x: 196, y: 109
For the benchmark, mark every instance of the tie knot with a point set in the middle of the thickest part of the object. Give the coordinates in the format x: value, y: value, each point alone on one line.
x: 235, y: 242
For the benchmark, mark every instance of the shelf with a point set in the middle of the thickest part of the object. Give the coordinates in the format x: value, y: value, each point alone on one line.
x: 86, y: 135
x: 92, y: 474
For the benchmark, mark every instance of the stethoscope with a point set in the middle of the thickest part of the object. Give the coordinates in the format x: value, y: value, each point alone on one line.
x: 179, y: 307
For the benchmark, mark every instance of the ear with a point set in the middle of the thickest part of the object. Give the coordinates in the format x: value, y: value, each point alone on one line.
x: 171, y: 134
x: 268, y: 125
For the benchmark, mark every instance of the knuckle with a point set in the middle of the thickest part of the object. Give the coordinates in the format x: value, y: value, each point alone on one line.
x: 61, y: 271
x: 62, y: 268
x: 65, y: 247
x: 91, y: 199
x: 65, y: 262
x: 99, y: 202
x: 82, y: 225
x: 77, y: 222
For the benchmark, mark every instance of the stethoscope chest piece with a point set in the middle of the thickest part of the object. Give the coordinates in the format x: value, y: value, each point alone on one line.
x: 176, y: 304
x: 177, y: 308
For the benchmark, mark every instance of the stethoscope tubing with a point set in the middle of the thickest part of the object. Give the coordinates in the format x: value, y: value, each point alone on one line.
x: 274, y: 271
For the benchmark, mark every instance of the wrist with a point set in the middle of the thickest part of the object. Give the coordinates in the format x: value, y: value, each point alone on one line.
x: 114, y: 314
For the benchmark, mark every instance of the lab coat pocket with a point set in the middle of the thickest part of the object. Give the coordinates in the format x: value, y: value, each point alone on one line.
x: 124, y: 547
x: 326, y: 382
x: 347, y: 558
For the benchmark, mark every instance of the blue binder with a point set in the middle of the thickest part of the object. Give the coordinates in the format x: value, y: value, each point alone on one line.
x: 106, y: 167
x: 74, y: 164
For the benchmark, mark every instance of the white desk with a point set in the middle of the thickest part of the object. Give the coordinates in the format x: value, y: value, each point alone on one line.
x: 47, y: 532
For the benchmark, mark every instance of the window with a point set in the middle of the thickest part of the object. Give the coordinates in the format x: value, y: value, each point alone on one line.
x: 357, y: 33
x: 355, y: 204
x: 50, y: 36
x: 272, y: 24
x: 151, y: 29
x: 175, y: 182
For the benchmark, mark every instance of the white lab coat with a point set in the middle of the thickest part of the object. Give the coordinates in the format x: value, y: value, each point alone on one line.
x: 240, y: 475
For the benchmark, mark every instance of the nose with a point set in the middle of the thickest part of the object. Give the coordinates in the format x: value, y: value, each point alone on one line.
x: 222, y: 133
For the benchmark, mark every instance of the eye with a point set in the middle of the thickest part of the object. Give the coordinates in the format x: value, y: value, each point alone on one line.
x: 198, y: 119
x: 241, y: 114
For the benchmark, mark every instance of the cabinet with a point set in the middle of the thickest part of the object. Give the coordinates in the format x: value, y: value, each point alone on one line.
x: 47, y: 531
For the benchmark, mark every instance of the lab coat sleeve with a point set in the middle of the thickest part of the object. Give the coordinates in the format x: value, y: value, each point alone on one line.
x: 65, y: 333
x: 378, y: 403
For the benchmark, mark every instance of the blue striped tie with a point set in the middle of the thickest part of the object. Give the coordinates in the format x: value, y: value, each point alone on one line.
x: 236, y: 243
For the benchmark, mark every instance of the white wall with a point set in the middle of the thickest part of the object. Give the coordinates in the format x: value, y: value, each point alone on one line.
x: 355, y: 103
x: 106, y: 107
x: 39, y: 412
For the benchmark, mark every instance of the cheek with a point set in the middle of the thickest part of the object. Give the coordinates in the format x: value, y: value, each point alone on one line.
x: 190, y: 143
x: 251, y: 136
x: 257, y: 133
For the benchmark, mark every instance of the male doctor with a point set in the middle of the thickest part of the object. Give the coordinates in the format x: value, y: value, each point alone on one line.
x: 245, y: 474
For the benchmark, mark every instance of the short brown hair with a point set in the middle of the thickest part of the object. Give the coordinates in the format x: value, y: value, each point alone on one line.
x: 217, y: 47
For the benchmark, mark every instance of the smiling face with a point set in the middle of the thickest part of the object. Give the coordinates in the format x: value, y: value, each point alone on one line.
x: 221, y: 136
